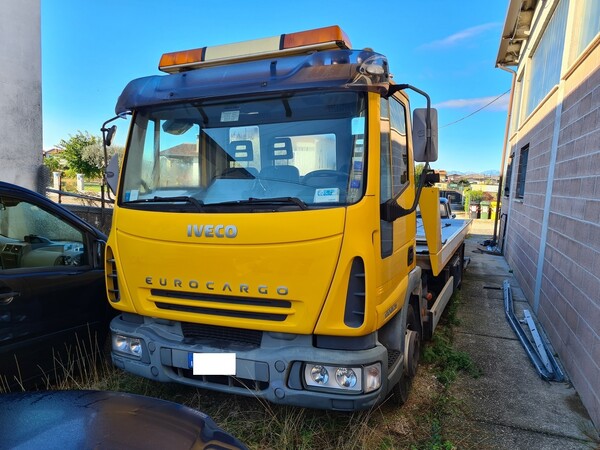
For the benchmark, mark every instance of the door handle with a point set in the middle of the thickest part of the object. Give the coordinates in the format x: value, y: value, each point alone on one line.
x: 7, y: 297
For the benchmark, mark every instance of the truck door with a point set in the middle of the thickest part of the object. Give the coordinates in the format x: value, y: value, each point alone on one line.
x: 396, y: 236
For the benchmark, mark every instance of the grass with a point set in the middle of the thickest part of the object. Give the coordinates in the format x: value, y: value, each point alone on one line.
x: 446, y: 363
x: 418, y: 425
x: 440, y: 352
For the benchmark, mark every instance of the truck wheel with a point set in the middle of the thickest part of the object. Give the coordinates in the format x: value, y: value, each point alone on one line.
x: 401, y: 390
x: 412, y: 343
x: 412, y: 353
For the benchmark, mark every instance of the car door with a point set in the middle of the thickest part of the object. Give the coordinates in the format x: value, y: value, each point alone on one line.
x: 53, y: 305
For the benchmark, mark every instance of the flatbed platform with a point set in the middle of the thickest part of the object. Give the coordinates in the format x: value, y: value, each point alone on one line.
x: 454, y: 232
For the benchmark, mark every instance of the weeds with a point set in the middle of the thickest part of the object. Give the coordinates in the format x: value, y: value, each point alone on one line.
x: 440, y: 352
x: 418, y: 425
x: 446, y: 362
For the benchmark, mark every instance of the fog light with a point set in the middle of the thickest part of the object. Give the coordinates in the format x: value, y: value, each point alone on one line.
x: 319, y: 374
x: 372, y: 377
x: 345, y: 377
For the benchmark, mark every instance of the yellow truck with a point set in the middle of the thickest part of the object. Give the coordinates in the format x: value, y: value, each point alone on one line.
x: 264, y: 234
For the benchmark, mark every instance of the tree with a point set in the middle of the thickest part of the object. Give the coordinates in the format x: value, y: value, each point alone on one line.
x: 84, y: 154
x: 464, y: 184
x: 73, y: 153
x: 94, y: 154
x: 54, y: 163
x: 418, y: 171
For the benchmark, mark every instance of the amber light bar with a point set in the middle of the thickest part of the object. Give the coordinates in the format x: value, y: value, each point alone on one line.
x: 311, y: 40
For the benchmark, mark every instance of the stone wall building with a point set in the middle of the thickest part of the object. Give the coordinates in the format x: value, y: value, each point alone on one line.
x: 552, y: 182
x: 21, y: 93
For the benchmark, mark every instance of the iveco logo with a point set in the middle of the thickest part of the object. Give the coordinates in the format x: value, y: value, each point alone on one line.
x: 211, y: 231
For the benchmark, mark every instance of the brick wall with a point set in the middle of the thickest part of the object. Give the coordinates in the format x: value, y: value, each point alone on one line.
x: 569, y: 297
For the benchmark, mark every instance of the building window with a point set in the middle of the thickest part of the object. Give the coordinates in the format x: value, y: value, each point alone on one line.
x: 517, y: 105
x: 522, y: 173
x: 587, y: 25
x: 508, y: 178
x: 546, y: 61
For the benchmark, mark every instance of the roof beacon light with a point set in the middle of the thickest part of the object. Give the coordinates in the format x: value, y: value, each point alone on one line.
x: 286, y: 44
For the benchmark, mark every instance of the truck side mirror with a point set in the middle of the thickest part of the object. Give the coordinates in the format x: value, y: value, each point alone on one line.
x: 110, y: 134
x: 419, y: 135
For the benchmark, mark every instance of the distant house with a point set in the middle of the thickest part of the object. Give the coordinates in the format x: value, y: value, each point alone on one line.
x: 552, y: 178
x: 52, y: 152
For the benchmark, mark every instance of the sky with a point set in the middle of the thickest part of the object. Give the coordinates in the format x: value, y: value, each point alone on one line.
x: 92, y: 49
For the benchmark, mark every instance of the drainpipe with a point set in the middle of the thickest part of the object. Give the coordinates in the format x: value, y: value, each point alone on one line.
x: 504, y: 146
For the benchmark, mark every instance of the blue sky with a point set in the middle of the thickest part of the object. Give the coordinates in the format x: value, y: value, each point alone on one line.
x: 91, y: 49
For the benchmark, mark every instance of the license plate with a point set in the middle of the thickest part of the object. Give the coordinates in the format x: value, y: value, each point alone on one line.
x: 212, y: 363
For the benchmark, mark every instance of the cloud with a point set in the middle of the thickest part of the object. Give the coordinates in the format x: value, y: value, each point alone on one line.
x: 493, y: 103
x: 457, y: 38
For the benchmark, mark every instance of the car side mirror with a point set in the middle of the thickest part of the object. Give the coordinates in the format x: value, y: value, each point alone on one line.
x: 99, y: 247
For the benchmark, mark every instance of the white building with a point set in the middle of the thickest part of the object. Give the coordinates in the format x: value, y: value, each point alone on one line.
x: 21, y: 93
x: 552, y: 182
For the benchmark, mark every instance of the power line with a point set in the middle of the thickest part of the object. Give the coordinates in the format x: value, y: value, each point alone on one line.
x: 476, y: 111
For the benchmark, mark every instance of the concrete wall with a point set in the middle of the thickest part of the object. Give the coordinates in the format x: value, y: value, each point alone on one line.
x: 553, y: 233
x: 21, y: 93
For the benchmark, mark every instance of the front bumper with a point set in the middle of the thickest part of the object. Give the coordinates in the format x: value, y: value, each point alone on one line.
x: 271, y: 370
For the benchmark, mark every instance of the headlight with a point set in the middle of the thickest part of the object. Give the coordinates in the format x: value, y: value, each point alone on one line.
x: 319, y: 375
x: 347, y: 379
x: 135, y: 346
x: 128, y: 345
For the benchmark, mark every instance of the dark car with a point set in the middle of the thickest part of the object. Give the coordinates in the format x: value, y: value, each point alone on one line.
x: 53, y: 305
x: 111, y: 420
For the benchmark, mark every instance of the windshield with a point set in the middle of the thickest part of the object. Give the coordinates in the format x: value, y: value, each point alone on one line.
x: 278, y: 153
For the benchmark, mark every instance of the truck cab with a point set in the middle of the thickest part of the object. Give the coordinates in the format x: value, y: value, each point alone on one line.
x: 264, y: 233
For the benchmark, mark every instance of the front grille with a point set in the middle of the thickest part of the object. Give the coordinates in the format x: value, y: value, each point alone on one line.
x: 206, y: 302
x: 199, y: 332
x: 221, y: 312
x: 221, y: 299
x: 236, y: 382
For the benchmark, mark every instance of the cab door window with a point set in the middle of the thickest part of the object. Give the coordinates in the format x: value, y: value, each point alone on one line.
x: 393, y: 161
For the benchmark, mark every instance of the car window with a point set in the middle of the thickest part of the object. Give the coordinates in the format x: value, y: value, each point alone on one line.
x: 33, y: 237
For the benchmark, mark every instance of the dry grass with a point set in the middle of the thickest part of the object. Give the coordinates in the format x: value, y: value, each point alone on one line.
x: 419, y: 424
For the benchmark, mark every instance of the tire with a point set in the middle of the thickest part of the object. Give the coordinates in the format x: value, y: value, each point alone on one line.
x: 412, y: 351
x: 401, y: 391
x: 412, y: 344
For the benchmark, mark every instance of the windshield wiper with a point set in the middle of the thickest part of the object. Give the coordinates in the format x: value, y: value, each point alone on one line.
x: 181, y: 198
x: 265, y: 201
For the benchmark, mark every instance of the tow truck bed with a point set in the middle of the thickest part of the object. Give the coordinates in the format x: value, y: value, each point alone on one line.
x: 454, y: 232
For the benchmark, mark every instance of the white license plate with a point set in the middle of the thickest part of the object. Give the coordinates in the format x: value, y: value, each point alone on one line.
x: 212, y: 363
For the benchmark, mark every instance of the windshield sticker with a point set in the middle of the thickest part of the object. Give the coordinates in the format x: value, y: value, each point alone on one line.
x: 327, y: 195
x: 358, y: 126
x: 230, y: 116
x: 132, y: 195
